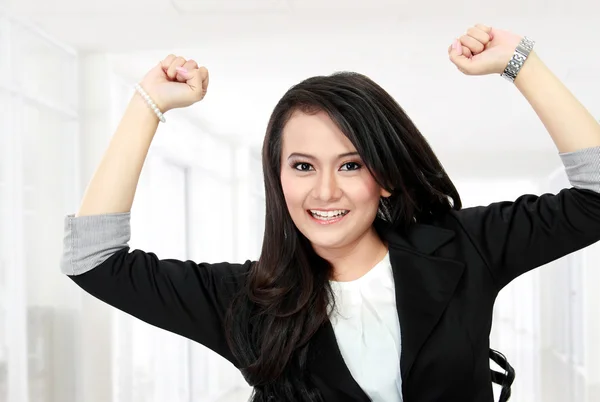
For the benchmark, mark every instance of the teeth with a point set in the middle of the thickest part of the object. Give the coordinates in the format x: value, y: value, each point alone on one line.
x: 328, y: 214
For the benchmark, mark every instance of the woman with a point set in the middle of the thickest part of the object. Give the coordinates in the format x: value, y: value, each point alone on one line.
x: 373, y: 283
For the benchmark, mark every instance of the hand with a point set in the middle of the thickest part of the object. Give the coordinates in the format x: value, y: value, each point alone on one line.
x: 176, y: 83
x: 483, y: 50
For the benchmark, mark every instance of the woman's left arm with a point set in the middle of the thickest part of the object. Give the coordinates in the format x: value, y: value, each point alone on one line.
x: 483, y: 50
x: 568, y: 122
x: 515, y: 237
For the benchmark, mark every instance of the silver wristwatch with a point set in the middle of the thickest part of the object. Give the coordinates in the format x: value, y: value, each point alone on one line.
x: 516, y: 62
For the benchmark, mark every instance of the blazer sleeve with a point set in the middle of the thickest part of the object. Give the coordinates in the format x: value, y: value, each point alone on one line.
x: 516, y: 237
x: 182, y: 297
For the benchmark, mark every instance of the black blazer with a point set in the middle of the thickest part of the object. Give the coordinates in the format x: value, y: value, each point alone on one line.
x: 447, y: 275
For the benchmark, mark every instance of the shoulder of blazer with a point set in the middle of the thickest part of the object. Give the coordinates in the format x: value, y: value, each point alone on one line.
x: 514, y: 237
x: 423, y: 238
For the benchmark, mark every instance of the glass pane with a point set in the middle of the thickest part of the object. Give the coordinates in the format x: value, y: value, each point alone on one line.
x: 54, y: 82
x: 559, y: 321
x: 48, y: 166
x: 256, y: 173
x: 257, y: 222
x: 153, y: 364
x: 5, y: 159
x: 577, y: 308
x: 211, y: 218
x: 4, y: 49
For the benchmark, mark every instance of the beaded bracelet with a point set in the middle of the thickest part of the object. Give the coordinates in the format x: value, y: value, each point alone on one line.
x: 150, y: 103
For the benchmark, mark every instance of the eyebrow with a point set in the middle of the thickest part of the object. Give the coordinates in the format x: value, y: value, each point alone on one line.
x: 307, y: 156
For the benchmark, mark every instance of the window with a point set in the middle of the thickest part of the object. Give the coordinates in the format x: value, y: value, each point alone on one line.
x: 187, y: 206
x: 37, y: 181
x: 152, y: 364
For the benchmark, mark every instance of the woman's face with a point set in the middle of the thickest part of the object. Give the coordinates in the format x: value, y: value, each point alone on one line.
x: 331, y: 196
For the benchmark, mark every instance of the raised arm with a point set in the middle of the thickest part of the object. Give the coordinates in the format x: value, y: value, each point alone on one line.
x: 568, y: 122
x: 112, y: 188
x: 515, y: 237
x: 182, y: 297
x: 483, y: 50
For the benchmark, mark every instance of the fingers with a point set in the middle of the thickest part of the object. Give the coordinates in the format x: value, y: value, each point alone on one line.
x: 481, y: 32
x: 466, y: 51
x: 167, y: 62
x: 170, y: 65
x: 176, y: 64
x: 183, y: 72
x: 458, y: 55
x: 488, y: 30
x: 472, y: 44
x: 199, y: 82
x: 179, y: 69
x: 475, y: 40
x: 203, y: 74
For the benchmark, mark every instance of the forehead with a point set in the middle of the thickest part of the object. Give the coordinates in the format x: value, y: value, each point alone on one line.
x: 315, y: 134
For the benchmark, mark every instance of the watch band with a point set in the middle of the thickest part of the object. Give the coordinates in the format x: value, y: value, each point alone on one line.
x: 515, y: 64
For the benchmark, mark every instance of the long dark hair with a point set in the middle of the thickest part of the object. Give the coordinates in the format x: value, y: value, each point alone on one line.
x: 287, y: 294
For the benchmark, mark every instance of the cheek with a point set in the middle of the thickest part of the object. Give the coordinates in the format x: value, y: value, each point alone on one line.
x: 293, y: 191
x: 365, y: 192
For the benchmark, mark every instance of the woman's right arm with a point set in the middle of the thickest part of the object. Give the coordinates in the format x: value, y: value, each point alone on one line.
x: 182, y: 297
x: 113, y: 185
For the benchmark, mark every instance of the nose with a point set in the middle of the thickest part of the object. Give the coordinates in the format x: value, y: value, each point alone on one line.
x: 327, y: 187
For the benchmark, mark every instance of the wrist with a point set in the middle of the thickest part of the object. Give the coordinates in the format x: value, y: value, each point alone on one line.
x: 139, y: 107
x: 157, y: 109
x: 531, y: 68
x: 520, y: 55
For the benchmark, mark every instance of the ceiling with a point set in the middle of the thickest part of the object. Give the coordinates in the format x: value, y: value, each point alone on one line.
x: 256, y: 49
x: 123, y: 24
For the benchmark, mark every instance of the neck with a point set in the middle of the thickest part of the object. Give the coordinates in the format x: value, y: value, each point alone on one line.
x: 354, y: 260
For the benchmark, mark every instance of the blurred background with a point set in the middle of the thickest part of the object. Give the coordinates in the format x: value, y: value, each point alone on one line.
x: 66, y: 73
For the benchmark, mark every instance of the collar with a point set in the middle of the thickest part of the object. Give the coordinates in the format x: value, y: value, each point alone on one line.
x: 420, y: 237
x: 424, y: 285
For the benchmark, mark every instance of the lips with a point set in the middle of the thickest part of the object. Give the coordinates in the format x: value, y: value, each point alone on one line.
x: 331, y: 214
x: 327, y: 217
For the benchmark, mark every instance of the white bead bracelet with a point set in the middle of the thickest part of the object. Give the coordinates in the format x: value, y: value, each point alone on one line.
x: 150, y: 103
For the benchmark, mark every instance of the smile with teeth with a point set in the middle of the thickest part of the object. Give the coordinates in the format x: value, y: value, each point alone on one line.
x: 328, y: 215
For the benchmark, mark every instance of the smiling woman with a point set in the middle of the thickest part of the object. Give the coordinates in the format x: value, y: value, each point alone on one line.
x: 326, y: 183
x: 339, y: 154
x: 373, y: 283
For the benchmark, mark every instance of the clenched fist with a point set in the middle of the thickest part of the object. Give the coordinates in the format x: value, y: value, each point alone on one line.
x: 483, y: 50
x: 176, y: 83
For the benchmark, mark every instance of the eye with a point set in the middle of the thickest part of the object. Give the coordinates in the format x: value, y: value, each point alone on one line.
x: 303, y: 166
x: 349, y: 166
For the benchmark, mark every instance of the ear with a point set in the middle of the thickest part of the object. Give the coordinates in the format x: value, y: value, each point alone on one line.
x: 385, y: 193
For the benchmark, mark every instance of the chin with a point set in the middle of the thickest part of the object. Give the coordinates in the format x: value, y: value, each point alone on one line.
x: 323, y: 240
x: 326, y: 243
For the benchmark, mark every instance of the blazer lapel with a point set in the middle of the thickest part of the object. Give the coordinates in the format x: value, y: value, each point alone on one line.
x: 424, y: 284
x: 328, y: 363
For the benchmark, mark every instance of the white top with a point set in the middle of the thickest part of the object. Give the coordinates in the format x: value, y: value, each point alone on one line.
x: 367, y: 330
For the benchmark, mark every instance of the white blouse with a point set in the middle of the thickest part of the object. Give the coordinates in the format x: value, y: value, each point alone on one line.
x: 366, y: 326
